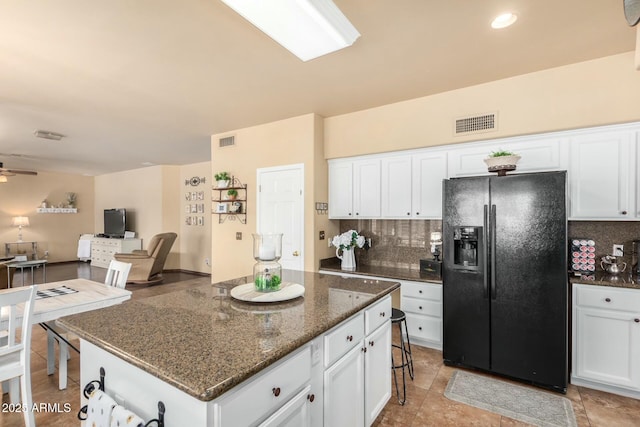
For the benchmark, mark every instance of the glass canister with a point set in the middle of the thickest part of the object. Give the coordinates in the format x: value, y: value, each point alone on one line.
x: 267, y: 272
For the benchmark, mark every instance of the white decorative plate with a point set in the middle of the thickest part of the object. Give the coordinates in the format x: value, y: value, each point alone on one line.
x: 247, y: 292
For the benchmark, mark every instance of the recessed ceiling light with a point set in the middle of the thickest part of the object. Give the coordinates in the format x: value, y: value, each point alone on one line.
x: 504, y: 20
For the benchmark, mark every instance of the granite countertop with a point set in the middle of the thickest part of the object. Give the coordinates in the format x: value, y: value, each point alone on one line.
x: 204, y: 342
x: 624, y: 280
x: 397, y: 271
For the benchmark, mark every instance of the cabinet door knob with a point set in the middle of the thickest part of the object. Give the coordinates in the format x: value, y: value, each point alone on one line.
x: 349, y: 213
x: 420, y: 291
x: 420, y: 307
x: 636, y: 320
x: 357, y: 213
x: 364, y: 349
x: 417, y: 213
x: 349, y: 337
x: 296, y: 253
x: 276, y: 391
x: 372, y: 342
x: 311, y: 397
x: 607, y: 299
x: 408, y: 213
x: 623, y: 212
x: 419, y: 328
x: 382, y: 314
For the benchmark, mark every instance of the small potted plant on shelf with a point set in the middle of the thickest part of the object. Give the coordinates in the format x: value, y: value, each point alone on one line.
x: 223, y: 179
x: 502, y: 161
x: 232, y: 194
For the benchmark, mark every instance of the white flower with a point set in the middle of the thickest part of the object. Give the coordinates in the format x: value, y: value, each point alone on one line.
x: 348, y: 240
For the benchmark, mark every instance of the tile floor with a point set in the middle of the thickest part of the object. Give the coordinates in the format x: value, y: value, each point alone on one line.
x: 426, y: 404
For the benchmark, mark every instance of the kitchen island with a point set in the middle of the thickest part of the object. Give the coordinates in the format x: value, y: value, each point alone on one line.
x: 208, y: 356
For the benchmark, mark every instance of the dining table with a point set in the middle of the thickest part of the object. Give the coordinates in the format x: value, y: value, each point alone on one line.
x: 66, y: 297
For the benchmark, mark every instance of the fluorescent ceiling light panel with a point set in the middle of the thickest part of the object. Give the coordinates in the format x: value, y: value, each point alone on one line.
x: 306, y: 28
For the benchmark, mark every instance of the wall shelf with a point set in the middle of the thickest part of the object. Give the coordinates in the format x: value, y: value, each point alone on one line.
x: 223, y: 207
x: 57, y: 210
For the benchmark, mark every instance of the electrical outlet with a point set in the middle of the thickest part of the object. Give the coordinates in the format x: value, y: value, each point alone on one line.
x: 238, y: 235
x: 321, y: 235
x: 207, y: 261
x: 46, y: 253
x: 618, y: 250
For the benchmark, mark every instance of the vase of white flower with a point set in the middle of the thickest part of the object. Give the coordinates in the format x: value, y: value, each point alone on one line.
x: 345, y: 244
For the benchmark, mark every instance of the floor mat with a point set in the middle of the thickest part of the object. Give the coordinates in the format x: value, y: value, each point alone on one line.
x: 520, y: 403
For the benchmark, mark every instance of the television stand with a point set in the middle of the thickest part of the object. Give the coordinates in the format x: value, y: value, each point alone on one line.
x: 103, y: 249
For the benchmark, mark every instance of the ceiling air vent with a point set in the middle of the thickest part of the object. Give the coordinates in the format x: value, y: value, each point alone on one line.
x: 476, y: 124
x: 227, y: 141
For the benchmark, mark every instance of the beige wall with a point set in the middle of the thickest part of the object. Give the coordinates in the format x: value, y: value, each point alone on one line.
x: 285, y: 142
x: 195, y: 240
x: 150, y: 198
x: 602, y: 91
x: 56, y: 233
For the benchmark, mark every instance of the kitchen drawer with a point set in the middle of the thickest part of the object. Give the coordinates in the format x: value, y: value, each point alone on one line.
x: 257, y: 399
x: 377, y: 315
x: 607, y: 297
x: 429, y: 291
x: 342, y: 339
x: 421, y: 306
x: 424, y: 327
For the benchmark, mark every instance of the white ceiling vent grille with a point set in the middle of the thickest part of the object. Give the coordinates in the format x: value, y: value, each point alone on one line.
x: 227, y: 141
x: 476, y: 124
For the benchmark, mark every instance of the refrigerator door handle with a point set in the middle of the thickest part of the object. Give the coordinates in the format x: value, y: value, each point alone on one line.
x: 492, y: 231
x: 485, y: 247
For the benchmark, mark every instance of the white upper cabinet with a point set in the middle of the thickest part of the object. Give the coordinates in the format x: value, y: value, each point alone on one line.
x: 412, y: 185
x: 428, y: 169
x: 396, y: 187
x: 538, y: 153
x: 354, y: 188
x: 602, y: 175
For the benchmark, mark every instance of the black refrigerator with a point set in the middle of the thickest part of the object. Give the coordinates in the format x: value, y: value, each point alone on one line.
x: 505, y: 282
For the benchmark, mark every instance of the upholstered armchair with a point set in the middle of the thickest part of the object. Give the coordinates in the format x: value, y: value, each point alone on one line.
x: 147, y: 265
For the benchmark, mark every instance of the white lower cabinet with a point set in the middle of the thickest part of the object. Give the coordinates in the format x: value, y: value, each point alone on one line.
x: 103, y: 249
x: 606, y: 339
x: 357, y: 385
x: 268, y: 393
x: 422, y: 304
x: 294, y: 413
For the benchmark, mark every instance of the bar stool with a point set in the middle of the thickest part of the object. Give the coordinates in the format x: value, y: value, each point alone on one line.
x: 398, y: 316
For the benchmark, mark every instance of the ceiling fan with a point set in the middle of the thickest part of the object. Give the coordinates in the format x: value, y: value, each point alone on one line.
x: 13, y: 172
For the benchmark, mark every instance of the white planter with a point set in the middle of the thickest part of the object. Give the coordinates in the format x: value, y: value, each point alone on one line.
x: 223, y: 183
x: 502, y: 164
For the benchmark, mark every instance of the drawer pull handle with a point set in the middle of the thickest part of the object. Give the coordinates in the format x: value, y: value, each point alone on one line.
x: 623, y: 212
x: 636, y: 320
x: 372, y: 342
x: 607, y: 299
x: 408, y: 213
x: 419, y: 328
x: 420, y: 291
x: 382, y: 314
x: 417, y: 213
x: 420, y: 307
x: 311, y: 397
x: 349, y: 337
x: 276, y: 391
x: 364, y: 349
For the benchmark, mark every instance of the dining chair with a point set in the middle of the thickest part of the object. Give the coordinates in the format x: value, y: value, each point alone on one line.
x: 117, y: 274
x: 15, y: 356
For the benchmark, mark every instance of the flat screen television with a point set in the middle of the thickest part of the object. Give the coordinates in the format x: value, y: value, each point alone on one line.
x: 115, y: 222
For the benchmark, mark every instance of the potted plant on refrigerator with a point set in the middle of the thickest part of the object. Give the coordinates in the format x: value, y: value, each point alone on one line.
x: 502, y: 161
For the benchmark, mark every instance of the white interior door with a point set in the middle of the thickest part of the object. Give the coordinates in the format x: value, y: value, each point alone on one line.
x: 281, y: 210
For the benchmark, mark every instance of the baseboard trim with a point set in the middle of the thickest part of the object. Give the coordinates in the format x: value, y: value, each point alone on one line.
x: 174, y: 270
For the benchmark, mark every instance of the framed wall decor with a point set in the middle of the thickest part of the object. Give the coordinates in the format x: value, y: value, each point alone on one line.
x: 221, y: 208
x: 200, y: 220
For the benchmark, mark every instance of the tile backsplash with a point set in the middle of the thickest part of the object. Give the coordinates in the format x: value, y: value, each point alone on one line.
x: 394, y: 243
x: 405, y: 242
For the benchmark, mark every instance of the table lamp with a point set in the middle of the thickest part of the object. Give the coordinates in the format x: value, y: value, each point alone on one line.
x: 20, y: 221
